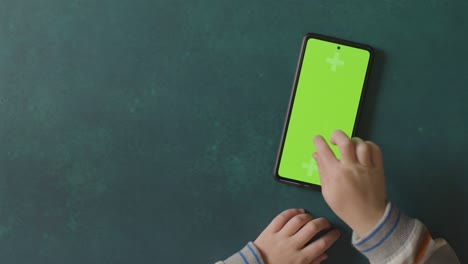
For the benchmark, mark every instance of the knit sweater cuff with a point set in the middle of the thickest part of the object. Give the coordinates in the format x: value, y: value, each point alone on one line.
x: 248, y: 255
x: 387, y: 237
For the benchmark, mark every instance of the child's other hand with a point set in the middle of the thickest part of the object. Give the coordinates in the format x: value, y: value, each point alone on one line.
x: 285, y: 239
x: 354, y: 186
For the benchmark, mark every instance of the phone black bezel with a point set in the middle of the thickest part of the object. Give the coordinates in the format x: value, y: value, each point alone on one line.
x: 293, y: 93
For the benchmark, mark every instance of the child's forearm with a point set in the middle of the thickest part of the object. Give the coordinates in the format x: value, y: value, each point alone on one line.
x: 400, y: 239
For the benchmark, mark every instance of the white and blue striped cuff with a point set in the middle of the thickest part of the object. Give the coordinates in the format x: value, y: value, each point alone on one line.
x: 248, y: 255
x: 389, y: 235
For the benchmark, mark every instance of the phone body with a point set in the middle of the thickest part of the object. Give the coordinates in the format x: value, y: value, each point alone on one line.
x: 328, y: 89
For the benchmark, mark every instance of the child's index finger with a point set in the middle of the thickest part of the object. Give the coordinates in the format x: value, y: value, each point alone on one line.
x: 324, y: 151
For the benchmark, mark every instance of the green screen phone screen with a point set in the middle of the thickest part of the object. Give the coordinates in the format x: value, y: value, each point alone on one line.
x: 329, y: 86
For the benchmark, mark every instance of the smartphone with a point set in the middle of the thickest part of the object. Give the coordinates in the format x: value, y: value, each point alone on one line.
x: 328, y: 89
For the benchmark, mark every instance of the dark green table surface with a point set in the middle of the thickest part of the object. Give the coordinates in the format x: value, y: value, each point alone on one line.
x: 146, y: 131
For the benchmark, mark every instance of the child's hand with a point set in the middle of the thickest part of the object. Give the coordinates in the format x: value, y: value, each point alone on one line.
x: 285, y: 239
x: 354, y: 186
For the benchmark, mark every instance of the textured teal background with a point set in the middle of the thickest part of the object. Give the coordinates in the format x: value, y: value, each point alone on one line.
x: 146, y: 131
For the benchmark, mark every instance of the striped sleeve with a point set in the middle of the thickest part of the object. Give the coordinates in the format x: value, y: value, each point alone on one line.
x: 398, y: 238
x: 248, y: 255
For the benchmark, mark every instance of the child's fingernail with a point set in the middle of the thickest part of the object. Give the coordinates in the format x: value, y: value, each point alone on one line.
x: 314, y: 155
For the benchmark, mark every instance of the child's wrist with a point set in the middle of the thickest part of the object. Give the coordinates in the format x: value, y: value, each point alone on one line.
x: 364, y: 225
